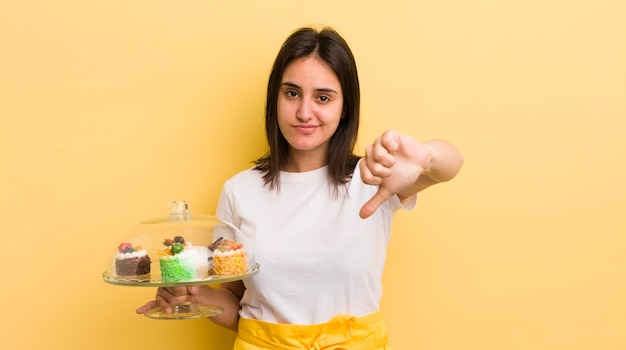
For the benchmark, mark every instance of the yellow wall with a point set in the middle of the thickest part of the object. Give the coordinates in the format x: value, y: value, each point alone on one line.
x: 110, y: 109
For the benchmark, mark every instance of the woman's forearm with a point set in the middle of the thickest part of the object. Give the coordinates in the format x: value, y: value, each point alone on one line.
x: 445, y: 162
x: 226, y: 297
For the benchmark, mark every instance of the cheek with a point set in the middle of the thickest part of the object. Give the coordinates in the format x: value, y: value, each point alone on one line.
x: 332, y: 116
x: 284, y: 110
x: 282, y: 115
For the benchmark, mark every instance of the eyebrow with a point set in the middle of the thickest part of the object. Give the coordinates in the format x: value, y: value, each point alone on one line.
x: 290, y: 84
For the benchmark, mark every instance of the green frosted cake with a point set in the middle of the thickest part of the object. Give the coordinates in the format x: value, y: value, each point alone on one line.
x: 178, y: 260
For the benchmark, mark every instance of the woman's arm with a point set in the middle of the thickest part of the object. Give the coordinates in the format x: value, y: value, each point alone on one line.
x: 230, y: 299
x: 444, y: 162
x: 400, y: 165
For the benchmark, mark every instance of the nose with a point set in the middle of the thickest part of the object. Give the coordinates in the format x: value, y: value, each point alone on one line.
x: 305, y: 110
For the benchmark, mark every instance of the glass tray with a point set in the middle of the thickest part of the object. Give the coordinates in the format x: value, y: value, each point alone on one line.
x: 147, y: 282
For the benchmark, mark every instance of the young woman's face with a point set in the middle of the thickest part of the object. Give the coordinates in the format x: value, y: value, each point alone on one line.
x: 310, y: 102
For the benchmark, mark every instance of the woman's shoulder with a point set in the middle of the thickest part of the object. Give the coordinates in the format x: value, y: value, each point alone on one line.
x: 244, y: 179
x: 245, y: 175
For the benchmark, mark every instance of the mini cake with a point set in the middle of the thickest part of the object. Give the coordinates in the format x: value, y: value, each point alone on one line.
x: 131, y: 261
x: 178, y: 260
x: 228, y: 257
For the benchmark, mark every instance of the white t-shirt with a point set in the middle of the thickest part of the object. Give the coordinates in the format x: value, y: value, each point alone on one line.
x: 317, y: 257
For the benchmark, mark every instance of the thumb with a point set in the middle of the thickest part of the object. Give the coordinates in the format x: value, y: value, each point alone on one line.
x: 377, y: 199
x: 145, y: 308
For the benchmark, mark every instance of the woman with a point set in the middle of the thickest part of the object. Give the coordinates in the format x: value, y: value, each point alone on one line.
x: 316, y: 216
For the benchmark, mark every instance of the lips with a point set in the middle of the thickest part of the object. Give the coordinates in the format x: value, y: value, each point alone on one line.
x: 306, y: 128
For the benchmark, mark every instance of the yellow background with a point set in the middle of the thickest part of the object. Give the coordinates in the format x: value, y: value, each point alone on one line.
x: 110, y: 109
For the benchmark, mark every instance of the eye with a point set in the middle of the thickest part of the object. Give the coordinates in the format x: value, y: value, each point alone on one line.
x: 291, y: 93
x: 323, y: 98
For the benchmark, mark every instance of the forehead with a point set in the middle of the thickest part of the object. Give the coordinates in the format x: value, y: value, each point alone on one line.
x: 310, y: 70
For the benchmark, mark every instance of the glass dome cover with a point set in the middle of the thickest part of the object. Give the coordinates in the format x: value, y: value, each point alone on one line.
x: 141, y: 259
x: 178, y: 249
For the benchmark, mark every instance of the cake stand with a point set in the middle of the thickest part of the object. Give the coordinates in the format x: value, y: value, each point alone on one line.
x: 147, y: 238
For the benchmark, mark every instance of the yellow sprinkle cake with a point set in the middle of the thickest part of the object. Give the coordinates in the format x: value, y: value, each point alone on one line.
x: 229, y: 257
x: 229, y: 262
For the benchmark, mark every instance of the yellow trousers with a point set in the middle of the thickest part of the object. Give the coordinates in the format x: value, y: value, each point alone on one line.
x: 342, y: 332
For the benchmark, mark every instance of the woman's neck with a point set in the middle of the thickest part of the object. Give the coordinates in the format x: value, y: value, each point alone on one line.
x: 299, y: 162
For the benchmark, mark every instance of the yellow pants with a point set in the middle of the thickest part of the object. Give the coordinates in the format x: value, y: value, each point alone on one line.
x: 343, y: 332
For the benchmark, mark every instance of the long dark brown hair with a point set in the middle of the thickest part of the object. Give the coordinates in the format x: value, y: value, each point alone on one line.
x: 332, y: 49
